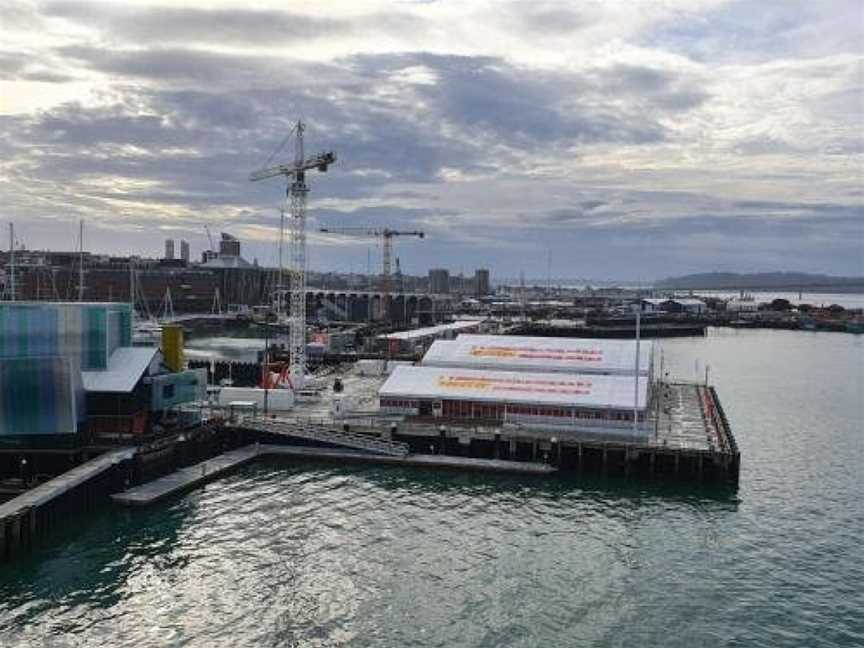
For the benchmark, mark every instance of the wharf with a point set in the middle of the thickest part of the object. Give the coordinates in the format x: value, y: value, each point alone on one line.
x: 25, y: 517
x: 417, y: 460
x: 186, y: 478
x: 686, y: 436
x: 57, y: 487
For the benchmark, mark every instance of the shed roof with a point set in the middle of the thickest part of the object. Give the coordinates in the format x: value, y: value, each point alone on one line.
x: 515, y: 387
x: 543, y: 354
x: 430, y: 331
x: 126, y: 366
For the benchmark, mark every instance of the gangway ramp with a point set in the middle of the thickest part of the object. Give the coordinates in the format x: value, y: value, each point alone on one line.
x: 326, y: 434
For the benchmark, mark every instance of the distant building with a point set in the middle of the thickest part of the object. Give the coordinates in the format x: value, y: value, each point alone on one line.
x: 169, y: 249
x: 481, y: 282
x: 229, y: 246
x: 680, y: 305
x: 184, y: 251
x: 209, y: 255
x: 439, y: 281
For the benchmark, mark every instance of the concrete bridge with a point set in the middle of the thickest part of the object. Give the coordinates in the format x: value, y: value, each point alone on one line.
x: 363, y: 306
x: 353, y: 306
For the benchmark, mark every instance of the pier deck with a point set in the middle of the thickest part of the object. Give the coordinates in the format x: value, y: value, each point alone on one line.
x: 186, y: 478
x: 64, y: 483
x: 686, y: 435
x: 420, y: 460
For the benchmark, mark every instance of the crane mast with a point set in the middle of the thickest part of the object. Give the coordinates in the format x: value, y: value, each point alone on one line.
x: 295, y: 175
x: 386, y: 235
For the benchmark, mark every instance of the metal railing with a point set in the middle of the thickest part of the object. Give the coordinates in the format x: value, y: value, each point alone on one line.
x: 320, y: 432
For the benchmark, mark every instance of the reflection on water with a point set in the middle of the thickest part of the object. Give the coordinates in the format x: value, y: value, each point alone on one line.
x: 241, y: 349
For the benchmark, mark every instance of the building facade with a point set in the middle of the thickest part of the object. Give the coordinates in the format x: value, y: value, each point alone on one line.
x: 481, y: 282
x: 439, y: 281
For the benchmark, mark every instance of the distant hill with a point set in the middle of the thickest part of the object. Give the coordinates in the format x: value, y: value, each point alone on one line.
x: 762, y: 281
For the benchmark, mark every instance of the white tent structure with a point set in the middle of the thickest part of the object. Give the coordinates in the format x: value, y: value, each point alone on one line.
x: 543, y: 354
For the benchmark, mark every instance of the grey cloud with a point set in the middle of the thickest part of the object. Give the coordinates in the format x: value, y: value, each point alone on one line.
x: 659, y: 87
x: 522, y: 107
x: 485, y: 96
x: 11, y: 63
x: 169, y: 24
x: 24, y: 66
x: 235, y: 26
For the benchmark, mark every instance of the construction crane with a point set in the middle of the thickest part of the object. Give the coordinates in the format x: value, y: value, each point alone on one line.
x: 210, y: 238
x: 295, y: 176
x: 386, y: 235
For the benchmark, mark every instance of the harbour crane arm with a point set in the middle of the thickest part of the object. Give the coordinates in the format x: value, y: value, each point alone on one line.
x: 366, y: 231
x: 320, y: 162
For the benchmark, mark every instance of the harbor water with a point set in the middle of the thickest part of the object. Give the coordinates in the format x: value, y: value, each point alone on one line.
x: 288, y: 554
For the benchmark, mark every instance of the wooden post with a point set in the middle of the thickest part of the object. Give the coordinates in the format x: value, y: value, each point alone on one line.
x: 604, y: 466
x: 579, y: 461
x: 651, y: 463
x: 677, y: 461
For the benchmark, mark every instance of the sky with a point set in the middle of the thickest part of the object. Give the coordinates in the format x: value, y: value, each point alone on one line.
x: 601, y: 140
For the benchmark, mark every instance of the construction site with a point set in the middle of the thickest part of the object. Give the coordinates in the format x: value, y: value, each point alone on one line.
x: 89, y: 412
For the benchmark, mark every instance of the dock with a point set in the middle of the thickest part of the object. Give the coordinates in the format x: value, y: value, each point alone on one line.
x: 21, y: 517
x: 189, y: 478
x: 186, y: 478
x: 417, y: 460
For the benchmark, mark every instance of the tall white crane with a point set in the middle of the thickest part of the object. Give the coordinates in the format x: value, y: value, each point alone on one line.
x: 386, y: 235
x: 295, y: 176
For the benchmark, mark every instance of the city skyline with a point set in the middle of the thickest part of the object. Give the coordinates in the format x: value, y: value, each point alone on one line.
x: 594, y: 141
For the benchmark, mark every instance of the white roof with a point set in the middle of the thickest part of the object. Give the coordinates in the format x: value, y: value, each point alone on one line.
x: 688, y: 301
x: 515, y: 387
x: 125, y: 368
x: 429, y: 331
x: 522, y: 353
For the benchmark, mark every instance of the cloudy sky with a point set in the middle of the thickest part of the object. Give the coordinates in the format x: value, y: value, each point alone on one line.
x: 621, y: 140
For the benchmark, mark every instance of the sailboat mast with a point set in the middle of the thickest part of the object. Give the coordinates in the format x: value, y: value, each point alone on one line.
x: 81, y: 261
x: 11, y: 262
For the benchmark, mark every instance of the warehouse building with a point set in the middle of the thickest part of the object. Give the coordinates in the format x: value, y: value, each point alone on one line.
x: 409, y: 341
x: 603, y: 404
x: 541, y: 354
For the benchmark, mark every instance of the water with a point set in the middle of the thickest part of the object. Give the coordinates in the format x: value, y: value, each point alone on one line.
x: 239, y: 349
x: 317, y: 555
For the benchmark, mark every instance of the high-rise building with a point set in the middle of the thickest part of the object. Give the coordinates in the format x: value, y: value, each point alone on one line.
x: 229, y: 246
x: 184, y: 251
x: 169, y: 248
x: 481, y: 282
x: 439, y: 281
